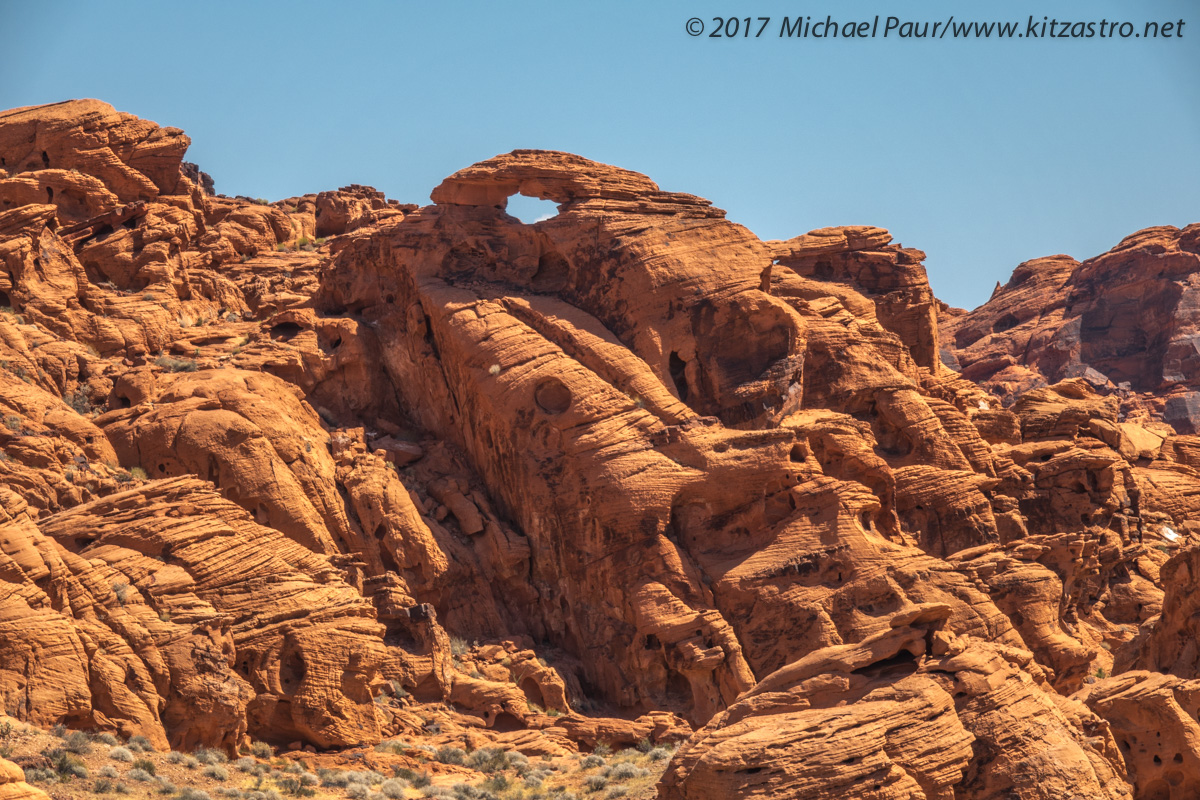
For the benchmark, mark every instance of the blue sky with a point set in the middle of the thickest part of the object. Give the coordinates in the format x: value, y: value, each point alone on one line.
x: 981, y: 153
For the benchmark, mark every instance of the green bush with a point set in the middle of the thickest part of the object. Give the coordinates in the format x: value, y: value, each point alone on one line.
x: 67, y: 765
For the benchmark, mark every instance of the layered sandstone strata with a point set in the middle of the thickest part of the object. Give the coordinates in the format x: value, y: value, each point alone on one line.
x: 611, y: 476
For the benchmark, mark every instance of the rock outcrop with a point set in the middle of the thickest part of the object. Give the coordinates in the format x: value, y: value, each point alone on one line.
x: 910, y: 712
x: 13, y: 785
x: 1122, y: 320
x: 333, y: 468
x: 1153, y: 721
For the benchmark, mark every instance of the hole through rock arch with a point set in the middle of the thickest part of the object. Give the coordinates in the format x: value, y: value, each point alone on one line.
x: 531, y: 209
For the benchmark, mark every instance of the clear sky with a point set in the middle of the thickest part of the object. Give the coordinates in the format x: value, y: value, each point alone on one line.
x: 983, y: 153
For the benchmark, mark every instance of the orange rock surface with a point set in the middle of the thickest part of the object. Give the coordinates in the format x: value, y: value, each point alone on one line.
x: 618, y: 475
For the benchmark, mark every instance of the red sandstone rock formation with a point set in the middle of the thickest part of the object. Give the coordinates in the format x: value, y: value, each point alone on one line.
x: 13, y: 785
x: 1122, y: 319
x: 658, y: 473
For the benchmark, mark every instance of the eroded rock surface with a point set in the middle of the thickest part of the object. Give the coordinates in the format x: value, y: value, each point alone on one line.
x: 333, y: 468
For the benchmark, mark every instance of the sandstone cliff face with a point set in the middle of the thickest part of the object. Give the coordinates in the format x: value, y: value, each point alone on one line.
x: 660, y: 475
x: 1123, y: 319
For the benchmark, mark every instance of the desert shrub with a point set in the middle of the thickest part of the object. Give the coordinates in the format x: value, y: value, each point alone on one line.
x: 595, y: 783
x: 102, y: 786
x: 175, y: 757
x: 176, y: 364
x: 216, y: 772
x: 229, y: 791
x: 139, y: 775
x: 106, y: 739
x: 463, y: 791
x: 145, y: 764
x: 166, y: 787
x: 357, y: 791
x: 451, y: 755
x: 261, y: 750
x: 624, y: 772
x: 206, y: 756
x: 393, y: 788
x: 38, y: 775
x: 140, y: 744
x: 333, y: 779
x: 488, y: 759
x: 616, y: 792
x: 120, y: 754
x: 78, y: 401
x: 108, y: 771
x: 188, y: 793
x: 77, y: 742
x: 659, y: 754
x: 497, y: 783
x: 121, y: 590
x: 458, y: 646
x: 245, y: 764
x: 592, y: 761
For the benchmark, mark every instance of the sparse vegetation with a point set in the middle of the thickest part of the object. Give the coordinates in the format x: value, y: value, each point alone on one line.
x: 451, y: 755
x: 78, y: 400
x: 171, y: 364
x: 121, y: 590
x: 77, y: 742
x: 120, y: 753
x: 207, y: 755
x: 216, y: 772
